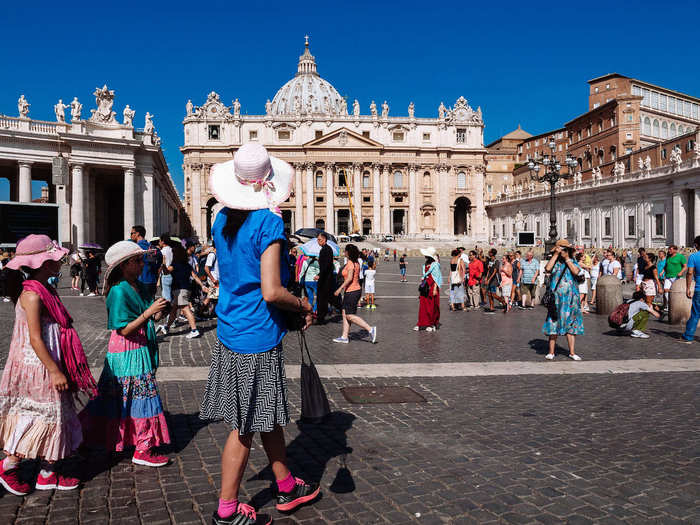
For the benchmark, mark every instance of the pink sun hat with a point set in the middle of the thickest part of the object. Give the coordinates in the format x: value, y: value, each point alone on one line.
x: 253, y: 180
x: 34, y: 250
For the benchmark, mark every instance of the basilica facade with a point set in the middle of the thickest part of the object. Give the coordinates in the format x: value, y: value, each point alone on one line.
x: 355, y: 172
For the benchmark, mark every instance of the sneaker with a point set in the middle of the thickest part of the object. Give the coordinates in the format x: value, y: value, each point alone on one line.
x: 374, y: 307
x: 181, y: 319
x: 192, y: 334
x: 54, y: 481
x: 549, y: 357
x: 416, y: 328
x: 10, y: 480
x: 430, y: 329
x: 91, y: 294
x: 640, y: 334
x: 162, y: 329
x: 578, y: 358
x: 149, y: 459
x: 684, y: 341
x: 244, y: 515
x: 368, y: 307
x: 489, y: 311
x: 82, y: 294
x: 343, y: 340
x: 5, y: 299
x: 373, y: 334
x: 301, y: 493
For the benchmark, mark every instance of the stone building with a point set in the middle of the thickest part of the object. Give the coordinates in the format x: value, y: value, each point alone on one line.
x: 114, y: 176
x: 501, y: 161
x: 355, y: 172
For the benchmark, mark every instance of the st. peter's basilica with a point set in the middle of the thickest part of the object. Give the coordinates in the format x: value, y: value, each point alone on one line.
x: 355, y: 172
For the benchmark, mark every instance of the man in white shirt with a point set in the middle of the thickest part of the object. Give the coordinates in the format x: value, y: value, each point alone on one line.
x: 211, y: 267
x: 610, y: 265
x: 166, y: 280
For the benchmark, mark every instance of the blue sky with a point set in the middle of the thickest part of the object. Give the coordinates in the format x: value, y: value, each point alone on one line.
x: 523, y: 63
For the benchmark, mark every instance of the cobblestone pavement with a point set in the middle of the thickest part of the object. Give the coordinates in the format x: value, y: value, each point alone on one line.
x: 464, y: 336
x: 575, y: 449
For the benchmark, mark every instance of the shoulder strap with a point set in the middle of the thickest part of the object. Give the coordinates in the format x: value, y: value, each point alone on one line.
x: 566, y: 269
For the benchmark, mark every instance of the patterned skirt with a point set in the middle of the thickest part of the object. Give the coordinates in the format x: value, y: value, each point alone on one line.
x: 247, y: 391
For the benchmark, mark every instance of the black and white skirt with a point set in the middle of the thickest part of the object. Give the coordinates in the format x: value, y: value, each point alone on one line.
x: 247, y: 391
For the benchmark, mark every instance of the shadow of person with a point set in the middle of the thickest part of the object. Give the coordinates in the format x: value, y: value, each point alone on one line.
x: 309, y: 453
x: 183, y: 428
x: 541, y: 346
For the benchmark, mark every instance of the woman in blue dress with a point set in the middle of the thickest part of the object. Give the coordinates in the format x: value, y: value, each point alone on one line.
x: 569, y: 320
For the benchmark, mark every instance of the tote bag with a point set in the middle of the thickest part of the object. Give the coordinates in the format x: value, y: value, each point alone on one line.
x: 314, y: 401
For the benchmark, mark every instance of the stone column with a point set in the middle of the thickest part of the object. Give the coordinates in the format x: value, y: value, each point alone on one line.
x: 76, y: 209
x: 386, y: 199
x: 196, y: 203
x: 64, y: 214
x: 443, y: 207
x: 478, y: 222
x: 330, y: 197
x: 309, y: 221
x: 25, y: 181
x: 148, y: 181
x: 376, y: 199
x: 679, y: 219
x: 412, y: 201
x: 129, y: 200
x: 696, y: 212
x: 298, y: 196
x: 357, y: 193
x: 89, y: 183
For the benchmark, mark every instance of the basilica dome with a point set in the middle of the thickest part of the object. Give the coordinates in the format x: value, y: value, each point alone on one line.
x: 307, y: 93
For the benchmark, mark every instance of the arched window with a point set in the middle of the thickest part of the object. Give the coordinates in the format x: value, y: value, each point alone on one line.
x: 647, y: 126
x: 461, y: 180
x: 319, y: 179
x: 426, y: 181
x: 664, y: 130
x: 320, y: 224
x: 398, y: 179
x: 365, y: 180
x: 342, y: 180
x: 680, y: 130
x: 655, y: 130
x: 673, y: 129
x: 601, y: 156
x: 613, y: 152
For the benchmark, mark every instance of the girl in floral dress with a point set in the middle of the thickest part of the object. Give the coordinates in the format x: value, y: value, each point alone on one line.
x: 45, y: 368
x: 128, y: 411
x: 569, y: 319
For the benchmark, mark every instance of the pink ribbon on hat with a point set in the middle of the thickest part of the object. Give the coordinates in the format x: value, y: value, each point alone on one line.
x: 265, y: 185
x: 50, y: 248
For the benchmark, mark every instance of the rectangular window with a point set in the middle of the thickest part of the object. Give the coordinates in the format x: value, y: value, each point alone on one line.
x: 654, y: 100
x: 319, y: 199
x: 283, y: 135
x: 520, y: 148
x: 696, y: 112
x: 366, y: 199
x: 503, y: 230
x: 628, y: 135
x: 606, y: 228
x: 538, y: 229
x: 636, y: 90
x: 686, y: 109
x: 397, y: 136
x: 659, y: 224
x: 365, y: 180
x: 461, y: 135
x: 586, y: 227
x: 253, y: 135
x: 494, y: 230
x: 398, y: 199
x: 318, y: 134
x: 528, y: 145
x: 671, y: 104
x: 631, y: 226
x: 663, y: 154
x: 630, y: 117
x: 662, y: 102
x: 426, y: 136
x: 628, y: 151
x: 579, y: 135
x: 489, y: 188
x: 214, y: 132
x: 596, y: 105
x: 319, y: 180
x: 365, y: 134
x: 569, y: 229
x: 645, y: 97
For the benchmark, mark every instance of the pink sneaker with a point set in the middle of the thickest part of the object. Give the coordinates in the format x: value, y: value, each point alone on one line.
x: 149, y: 459
x: 10, y: 480
x: 56, y: 481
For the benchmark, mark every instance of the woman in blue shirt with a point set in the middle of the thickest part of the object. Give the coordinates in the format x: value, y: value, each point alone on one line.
x: 246, y: 385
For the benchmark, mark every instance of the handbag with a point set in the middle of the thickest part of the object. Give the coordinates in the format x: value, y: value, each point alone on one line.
x: 549, y: 300
x: 424, y: 288
x: 314, y: 401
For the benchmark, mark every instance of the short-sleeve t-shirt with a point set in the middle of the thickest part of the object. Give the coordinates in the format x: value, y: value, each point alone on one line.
x: 213, y: 264
x: 694, y: 263
x: 369, y: 276
x: 355, y: 283
x: 530, y: 268
x: 167, y: 252
x: 152, y: 262
x: 247, y: 324
x: 674, y: 265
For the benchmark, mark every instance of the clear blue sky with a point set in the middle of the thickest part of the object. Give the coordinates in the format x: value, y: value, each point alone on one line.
x: 522, y: 62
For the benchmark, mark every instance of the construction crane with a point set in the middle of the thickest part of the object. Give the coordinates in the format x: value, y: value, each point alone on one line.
x: 348, y: 189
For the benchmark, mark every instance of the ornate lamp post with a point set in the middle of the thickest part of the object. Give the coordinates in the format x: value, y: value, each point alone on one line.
x: 552, y: 174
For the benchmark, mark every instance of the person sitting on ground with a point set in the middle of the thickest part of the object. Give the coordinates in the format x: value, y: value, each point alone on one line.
x: 638, y: 315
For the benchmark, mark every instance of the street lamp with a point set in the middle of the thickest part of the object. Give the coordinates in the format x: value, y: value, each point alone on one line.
x: 551, y: 174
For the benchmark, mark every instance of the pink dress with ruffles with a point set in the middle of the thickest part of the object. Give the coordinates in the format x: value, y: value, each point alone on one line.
x: 36, y: 420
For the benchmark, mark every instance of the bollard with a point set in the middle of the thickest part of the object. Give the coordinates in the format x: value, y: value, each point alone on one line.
x: 629, y: 270
x: 608, y: 294
x: 678, y: 303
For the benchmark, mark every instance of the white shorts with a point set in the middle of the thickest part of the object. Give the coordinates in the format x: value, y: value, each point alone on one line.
x: 369, y: 287
x: 668, y: 282
x: 638, y: 280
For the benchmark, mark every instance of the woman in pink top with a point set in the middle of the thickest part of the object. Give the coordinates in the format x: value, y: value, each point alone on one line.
x: 353, y: 290
x: 507, y: 280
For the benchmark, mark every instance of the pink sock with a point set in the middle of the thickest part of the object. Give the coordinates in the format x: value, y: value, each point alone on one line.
x: 286, y: 484
x: 227, y: 507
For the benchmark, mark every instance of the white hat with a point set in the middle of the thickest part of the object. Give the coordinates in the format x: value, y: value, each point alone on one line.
x: 429, y: 252
x: 120, y: 252
x: 253, y: 180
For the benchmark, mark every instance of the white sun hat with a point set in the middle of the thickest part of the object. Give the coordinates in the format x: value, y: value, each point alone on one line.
x: 253, y: 180
x: 429, y: 252
x: 120, y: 252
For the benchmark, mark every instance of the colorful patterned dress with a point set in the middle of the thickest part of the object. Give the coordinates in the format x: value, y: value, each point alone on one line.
x: 128, y: 410
x: 36, y: 420
x: 570, y: 319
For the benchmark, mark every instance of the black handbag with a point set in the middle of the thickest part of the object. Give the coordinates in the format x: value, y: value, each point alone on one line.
x: 314, y: 401
x: 424, y: 288
x: 549, y: 300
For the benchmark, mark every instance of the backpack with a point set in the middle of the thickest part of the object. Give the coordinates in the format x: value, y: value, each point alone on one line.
x: 618, y: 317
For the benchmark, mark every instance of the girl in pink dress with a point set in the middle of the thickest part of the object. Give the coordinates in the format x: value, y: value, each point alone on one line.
x: 45, y: 368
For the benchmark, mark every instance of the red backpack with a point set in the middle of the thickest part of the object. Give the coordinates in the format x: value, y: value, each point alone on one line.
x: 618, y: 317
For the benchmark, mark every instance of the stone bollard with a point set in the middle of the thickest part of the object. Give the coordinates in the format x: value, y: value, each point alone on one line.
x: 678, y: 303
x: 629, y: 270
x: 608, y: 294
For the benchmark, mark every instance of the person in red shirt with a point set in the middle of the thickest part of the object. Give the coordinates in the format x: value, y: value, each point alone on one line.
x: 476, y: 269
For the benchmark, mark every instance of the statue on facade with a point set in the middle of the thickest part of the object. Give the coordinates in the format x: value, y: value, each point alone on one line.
x: 676, y: 158
x: 268, y: 108
x: 309, y: 105
x: 640, y: 163
x: 385, y: 110
x: 76, y: 108
x: 356, y: 108
x: 236, y: 108
x: 23, y: 107
x: 343, y: 107
x: 148, y: 126
x: 647, y: 164
x: 441, y: 111
x: 104, y: 98
x: 531, y: 186
x: 519, y: 221
x: 696, y: 150
x: 60, y: 110
x: 297, y: 106
x: 189, y: 107
x: 373, y: 109
x: 619, y: 169
x: 411, y: 110
x: 129, y: 116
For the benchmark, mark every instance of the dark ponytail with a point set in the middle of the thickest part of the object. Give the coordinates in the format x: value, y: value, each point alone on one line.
x: 234, y: 221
